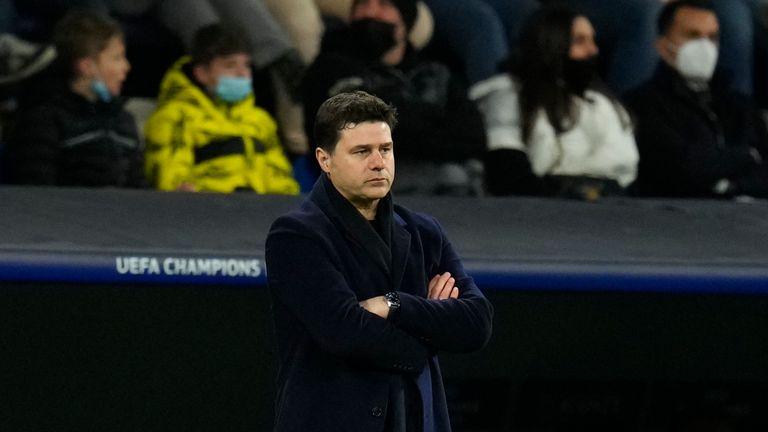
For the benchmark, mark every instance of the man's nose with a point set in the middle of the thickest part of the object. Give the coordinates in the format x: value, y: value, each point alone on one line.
x: 376, y: 161
x: 594, y: 49
x: 371, y: 11
x: 243, y: 72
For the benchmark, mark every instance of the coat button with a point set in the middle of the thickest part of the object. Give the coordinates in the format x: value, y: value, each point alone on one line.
x: 377, y: 412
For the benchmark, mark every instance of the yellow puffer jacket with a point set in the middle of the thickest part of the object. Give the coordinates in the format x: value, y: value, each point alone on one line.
x: 214, y: 146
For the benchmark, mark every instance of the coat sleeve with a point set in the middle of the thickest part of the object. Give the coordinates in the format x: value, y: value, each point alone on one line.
x: 456, y: 325
x: 304, y: 279
x: 168, y: 158
x: 33, y: 149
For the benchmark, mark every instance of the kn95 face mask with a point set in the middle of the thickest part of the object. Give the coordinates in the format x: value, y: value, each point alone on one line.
x: 233, y: 89
x: 696, y: 59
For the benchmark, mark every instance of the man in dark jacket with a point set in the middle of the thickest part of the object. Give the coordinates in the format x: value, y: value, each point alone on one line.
x: 365, y: 292
x: 81, y: 135
x: 695, y: 139
x: 439, y: 125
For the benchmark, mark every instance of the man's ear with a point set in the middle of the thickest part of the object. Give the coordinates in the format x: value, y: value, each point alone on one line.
x: 323, y: 159
x: 662, y: 47
x: 202, y: 74
x: 85, y: 67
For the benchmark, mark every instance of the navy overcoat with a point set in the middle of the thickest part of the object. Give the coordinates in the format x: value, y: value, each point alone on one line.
x: 337, y: 360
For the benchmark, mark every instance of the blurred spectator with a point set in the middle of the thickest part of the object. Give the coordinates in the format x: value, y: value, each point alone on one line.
x: 207, y: 134
x: 626, y: 27
x: 81, y: 135
x: 440, y: 132
x: 557, y: 116
x: 302, y: 20
x: 273, y: 48
x: 626, y: 31
x: 696, y: 139
x: 271, y: 45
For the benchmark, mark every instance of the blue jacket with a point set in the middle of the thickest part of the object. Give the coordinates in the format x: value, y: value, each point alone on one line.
x: 338, y: 362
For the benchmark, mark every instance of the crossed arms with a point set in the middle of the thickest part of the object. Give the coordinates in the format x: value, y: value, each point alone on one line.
x: 306, y: 280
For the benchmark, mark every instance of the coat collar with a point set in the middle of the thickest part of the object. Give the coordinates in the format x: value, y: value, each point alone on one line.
x: 389, y: 253
x: 669, y: 81
x: 72, y: 101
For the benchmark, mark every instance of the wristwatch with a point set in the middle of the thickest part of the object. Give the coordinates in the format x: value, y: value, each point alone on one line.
x: 393, y: 300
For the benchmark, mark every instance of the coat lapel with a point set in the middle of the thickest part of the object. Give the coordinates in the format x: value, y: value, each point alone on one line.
x: 401, y: 246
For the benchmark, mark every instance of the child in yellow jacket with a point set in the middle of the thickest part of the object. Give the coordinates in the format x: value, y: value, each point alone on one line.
x: 207, y: 134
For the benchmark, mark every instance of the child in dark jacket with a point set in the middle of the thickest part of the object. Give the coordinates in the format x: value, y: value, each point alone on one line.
x: 81, y: 135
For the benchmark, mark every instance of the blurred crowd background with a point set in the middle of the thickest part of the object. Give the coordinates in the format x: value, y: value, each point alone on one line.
x: 580, y: 99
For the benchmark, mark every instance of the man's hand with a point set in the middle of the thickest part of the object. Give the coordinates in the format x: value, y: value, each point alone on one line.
x: 376, y: 305
x: 442, y: 287
x: 186, y: 187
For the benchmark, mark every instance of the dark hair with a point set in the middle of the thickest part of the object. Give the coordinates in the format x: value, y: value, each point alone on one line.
x: 345, y: 109
x: 669, y: 12
x: 216, y: 40
x: 544, y: 48
x: 408, y: 11
x: 82, y: 33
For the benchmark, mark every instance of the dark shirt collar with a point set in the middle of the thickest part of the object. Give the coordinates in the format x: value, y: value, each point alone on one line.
x: 345, y: 216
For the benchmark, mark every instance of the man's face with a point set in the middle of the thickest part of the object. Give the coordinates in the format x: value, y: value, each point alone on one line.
x: 362, y: 166
x: 384, y: 11
x: 689, y: 24
x: 234, y: 65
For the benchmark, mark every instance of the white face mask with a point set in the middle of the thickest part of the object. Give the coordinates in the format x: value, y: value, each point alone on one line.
x: 696, y: 59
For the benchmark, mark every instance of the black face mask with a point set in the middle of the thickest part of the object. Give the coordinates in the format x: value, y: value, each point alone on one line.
x: 579, y: 74
x: 372, y: 37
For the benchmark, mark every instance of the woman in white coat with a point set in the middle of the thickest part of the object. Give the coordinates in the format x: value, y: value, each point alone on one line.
x: 556, y: 130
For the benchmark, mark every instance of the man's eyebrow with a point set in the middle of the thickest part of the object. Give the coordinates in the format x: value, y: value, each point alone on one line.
x: 362, y: 147
x: 368, y: 146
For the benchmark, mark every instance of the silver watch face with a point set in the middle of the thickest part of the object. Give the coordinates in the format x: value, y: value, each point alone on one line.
x: 393, y: 300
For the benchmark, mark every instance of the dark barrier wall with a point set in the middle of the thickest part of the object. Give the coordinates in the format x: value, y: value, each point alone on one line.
x: 123, y: 236
x: 135, y: 358
x: 618, y: 315
x: 158, y: 358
